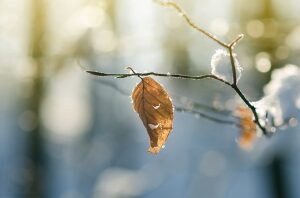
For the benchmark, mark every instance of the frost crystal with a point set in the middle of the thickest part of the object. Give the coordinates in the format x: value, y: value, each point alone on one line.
x: 156, y: 107
x: 221, y: 65
x: 152, y: 126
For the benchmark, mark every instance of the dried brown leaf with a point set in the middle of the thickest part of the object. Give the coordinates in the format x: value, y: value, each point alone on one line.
x: 155, y: 109
x: 248, y: 133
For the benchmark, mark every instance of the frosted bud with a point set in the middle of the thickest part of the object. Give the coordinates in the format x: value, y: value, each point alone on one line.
x: 221, y: 65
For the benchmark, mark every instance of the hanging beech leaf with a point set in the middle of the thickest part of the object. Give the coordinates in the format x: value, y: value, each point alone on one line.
x: 248, y: 133
x: 155, y: 109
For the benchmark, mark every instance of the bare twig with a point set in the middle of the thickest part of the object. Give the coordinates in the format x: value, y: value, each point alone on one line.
x: 187, y: 102
x: 189, y: 21
x: 180, y: 76
x: 233, y: 67
x: 187, y: 109
x: 229, y: 47
x: 236, y: 40
x: 209, y: 76
x: 208, y: 117
x: 253, y: 109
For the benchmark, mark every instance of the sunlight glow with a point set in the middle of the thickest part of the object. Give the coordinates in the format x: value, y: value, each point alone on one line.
x: 65, y: 112
x: 255, y: 28
x: 263, y: 63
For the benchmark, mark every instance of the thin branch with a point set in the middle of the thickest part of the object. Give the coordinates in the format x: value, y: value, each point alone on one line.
x: 230, y: 48
x: 132, y: 70
x: 189, y: 21
x: 233, y: 66
x: 113, y: 86
x: 196, y: 27
x: 180, y: 76
x: 208, y: 117
x: 210, y: 76
x: 187, y: 102
x: 253, y: 109
x: 236, y: 40
x: 182, y: 109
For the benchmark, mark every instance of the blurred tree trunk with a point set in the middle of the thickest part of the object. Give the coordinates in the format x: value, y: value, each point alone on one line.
x: 278, y: 178
x: 36, y: 52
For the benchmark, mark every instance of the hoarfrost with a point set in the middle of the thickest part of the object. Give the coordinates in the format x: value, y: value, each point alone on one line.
x: 282, y: 94
x: 221, y: 65
x: 152, y: 126
x: 156, y: 107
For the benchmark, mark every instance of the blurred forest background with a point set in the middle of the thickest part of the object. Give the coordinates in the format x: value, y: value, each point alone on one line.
x: 67, y: 134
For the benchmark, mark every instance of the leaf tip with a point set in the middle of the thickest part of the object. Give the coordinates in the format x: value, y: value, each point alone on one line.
x: 154, y: 150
